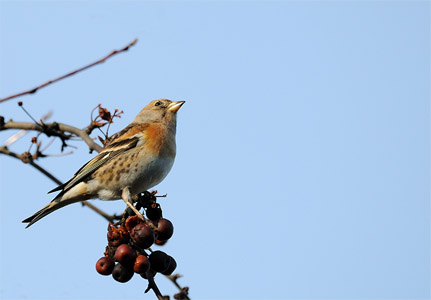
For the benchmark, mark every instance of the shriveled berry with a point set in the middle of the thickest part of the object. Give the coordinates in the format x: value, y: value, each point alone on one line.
x: 105, y: 265
x: 171, y: 268
x: 165, y: 229
x: 159, y: 261
x: 121, y: 273
x: 132, y: 222
x: 141, y: 264
x: 154, y: 212
x: 117, y: 236
x: 125, y: 255
x: 110, y: 251
x: 143, y: 235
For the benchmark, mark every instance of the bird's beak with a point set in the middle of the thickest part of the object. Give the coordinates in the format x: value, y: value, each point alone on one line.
x: 175, y: 105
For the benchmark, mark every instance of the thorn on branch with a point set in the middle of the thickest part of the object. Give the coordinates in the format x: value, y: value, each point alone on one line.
x: 184, y: 291
x: 183, y: 295
x: 103, y: 141
x: 28, y: 114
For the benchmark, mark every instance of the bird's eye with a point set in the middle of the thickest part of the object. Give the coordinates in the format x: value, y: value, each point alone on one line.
x: 158, y: 103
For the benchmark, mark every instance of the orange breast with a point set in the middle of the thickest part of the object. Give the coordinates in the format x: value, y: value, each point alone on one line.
x: 160, y: 140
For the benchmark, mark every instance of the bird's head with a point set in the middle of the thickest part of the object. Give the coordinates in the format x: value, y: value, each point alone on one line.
x: 161, y: 110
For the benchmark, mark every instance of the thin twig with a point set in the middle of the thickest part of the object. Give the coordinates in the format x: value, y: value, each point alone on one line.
x: 54, y: 129
x: 5, y: 150
x: 15, y: 137
x: 34, y: 90
x: 110, y: 218
x: 174, y: 278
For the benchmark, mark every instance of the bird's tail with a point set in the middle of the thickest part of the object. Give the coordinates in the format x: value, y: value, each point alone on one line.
x: 55, y: 204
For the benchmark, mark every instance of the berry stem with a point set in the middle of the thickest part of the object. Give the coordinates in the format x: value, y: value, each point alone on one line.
x: 152, y: 284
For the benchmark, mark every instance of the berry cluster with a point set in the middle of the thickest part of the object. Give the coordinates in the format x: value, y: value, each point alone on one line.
x: 129, y: 240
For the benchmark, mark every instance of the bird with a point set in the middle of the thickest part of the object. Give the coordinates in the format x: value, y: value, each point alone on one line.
x: 135, y: 159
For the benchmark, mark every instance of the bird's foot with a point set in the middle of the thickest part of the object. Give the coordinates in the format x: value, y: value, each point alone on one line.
x: 127, y: 198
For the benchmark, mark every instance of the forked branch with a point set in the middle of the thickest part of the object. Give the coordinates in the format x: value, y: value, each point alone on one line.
x: 54, y: 129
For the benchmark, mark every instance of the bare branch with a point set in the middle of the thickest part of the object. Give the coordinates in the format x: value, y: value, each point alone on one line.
x: 152, y: 284
x: 82, y: 134
x: 34, y: 90
x: 5, y: 150
x: 184, y: 291
x: 54, y: 129
x: 27, y: 159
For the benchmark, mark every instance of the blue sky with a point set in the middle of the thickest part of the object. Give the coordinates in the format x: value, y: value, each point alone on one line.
x: 303, y: 163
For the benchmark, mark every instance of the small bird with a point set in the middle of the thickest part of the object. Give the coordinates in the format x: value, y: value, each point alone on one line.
x: 136, y: 158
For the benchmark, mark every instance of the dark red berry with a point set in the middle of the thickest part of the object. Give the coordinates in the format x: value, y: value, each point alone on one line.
x: 143, y: 235
x: 125, y: 255
x: 165, y: 229
x: 160, y: 243
x: 132, y: 222
x: 159, y: 261
x: 121, y: 273
x: 171, y: 268
x: 154, y: 212
x: 141, y: 264
x: 117, y: 236
x: 105, y: 265
x: 152, y: 273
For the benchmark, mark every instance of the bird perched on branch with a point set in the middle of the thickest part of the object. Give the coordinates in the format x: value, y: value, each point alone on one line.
x: 135, y: 159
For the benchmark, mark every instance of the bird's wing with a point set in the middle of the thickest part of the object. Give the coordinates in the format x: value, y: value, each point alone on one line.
x: 123, y: 141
